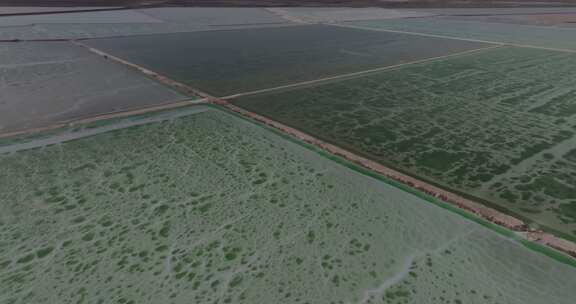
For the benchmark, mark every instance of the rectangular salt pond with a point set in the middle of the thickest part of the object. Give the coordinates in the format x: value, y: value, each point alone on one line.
x: 45, y: 83
x: 539, y: 36
x: 214, y: 16
x: 498, y: 125
x: 134, y: 22
x: 43, y: 9
x: 111, y: 17
x: 211, y: 208
x: 236, y: 61
x: 340, y: 14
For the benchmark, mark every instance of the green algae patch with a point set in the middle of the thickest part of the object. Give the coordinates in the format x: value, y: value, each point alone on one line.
x: 201, y: 230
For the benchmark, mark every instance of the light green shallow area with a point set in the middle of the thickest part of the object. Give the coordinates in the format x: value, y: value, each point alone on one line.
x: 210, y: 208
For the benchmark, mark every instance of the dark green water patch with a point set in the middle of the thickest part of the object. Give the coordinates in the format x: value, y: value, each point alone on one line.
x: 235, y: 61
